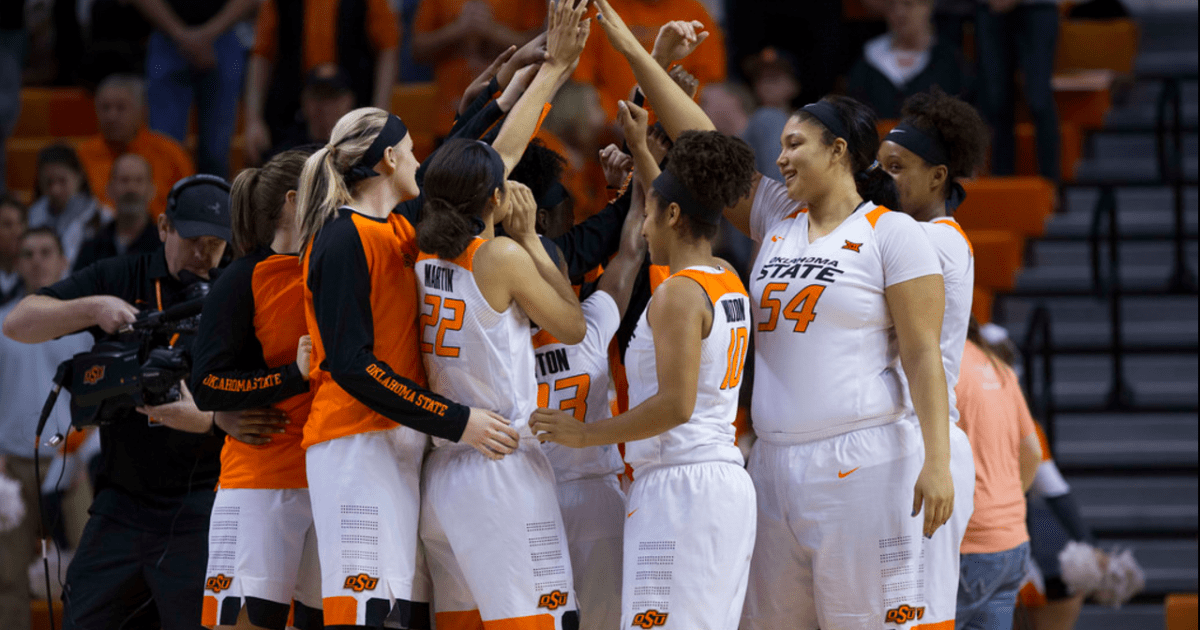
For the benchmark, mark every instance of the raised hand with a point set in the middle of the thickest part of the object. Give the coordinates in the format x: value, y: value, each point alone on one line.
x: 633, y: 121
x: 658, y: 143
x: 534, y: 51
x: 676, y: 40
x: 616, y: 165
x: 685, y: 80
x: 567, y: 33
x: 490, y: 434
x: 520, y: 82
x: 481, y: 82
x: 615, y: 28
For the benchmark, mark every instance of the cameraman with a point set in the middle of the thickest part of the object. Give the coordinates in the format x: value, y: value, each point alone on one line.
x: 142, y: 558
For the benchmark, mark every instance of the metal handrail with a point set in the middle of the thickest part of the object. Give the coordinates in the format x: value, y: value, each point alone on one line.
x: 1039, y: 341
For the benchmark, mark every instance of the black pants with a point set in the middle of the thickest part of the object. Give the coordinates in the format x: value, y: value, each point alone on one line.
x: 140, y: 564
x: 1025, y: 37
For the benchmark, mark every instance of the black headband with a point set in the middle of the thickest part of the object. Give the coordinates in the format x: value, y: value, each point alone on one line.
x: 928, y: 146
x: 555, y: 195
x: 392, y: 133
x: 671, y: 189
x: 827, y: 114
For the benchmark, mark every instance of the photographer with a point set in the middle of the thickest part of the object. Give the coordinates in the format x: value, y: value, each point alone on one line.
x: 141, y: 561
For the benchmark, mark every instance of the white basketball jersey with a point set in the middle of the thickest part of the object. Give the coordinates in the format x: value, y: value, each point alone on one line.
x: 575, y: 379
x: 474, y: 355
x: 708, y: 436
x: 826, y: 357
x: 957, y: 258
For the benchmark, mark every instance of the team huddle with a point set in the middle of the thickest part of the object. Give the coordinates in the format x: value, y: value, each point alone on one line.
x: 431, y: 413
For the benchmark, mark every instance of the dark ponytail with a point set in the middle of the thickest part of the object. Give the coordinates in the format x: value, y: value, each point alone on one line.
x: 459, y: 182
x: 862, y: 142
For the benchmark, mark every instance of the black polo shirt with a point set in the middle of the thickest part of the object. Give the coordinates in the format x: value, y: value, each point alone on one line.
x: 104, y: 245
x: 153, y: 463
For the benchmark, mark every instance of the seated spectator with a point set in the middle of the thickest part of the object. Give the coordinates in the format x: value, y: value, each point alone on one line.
x: 905, y: 60
x: 732, y: 109
x: 1025, y: 31
x: 195, y: 57
x: 362, y: 43
x: 63, y: 199
x: 120, y: 108
x: 994, y: 415
x: 602, y: 66
x: 772, y: 75
x: 572, y: 129
x: 26, y: 375
x: 327, y: 96
x: 13, y: 219
x: 460, y: 38
x: 131, y: 186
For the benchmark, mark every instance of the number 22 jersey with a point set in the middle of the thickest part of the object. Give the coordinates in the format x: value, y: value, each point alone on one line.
x: 827, y: 360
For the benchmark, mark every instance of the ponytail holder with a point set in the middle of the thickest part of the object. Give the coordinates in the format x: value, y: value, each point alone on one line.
x: 867, y: 171
x: 392, y: 133
x: 955, y: 196
x: 478, y: 224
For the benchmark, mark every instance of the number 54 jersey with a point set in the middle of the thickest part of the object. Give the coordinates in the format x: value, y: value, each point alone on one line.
x: 825, y: 345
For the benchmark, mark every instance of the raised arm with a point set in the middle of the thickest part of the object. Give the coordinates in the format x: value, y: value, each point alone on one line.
x: 621, y: 273
x: 677, y: 111
x: 565, y: 38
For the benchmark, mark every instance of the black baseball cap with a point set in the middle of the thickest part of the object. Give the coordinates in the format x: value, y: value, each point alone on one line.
x: 199, y: 206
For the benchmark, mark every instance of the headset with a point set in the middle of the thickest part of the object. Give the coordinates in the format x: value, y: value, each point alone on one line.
x: 194, y: 180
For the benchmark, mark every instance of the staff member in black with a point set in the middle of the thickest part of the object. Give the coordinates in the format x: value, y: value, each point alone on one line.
x: 141, y: 560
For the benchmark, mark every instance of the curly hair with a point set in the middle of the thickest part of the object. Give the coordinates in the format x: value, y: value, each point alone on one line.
x: 714, y: 167
x: 963, y: 133
x: 539, y: 168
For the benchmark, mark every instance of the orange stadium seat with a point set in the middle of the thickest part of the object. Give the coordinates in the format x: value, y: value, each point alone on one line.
x: 1019, y: 204
x: 1097, y: 45
x: 1181, y: 610
x: 998, y: 255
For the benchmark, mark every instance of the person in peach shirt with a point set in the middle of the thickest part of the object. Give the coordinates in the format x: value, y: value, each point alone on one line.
x: 121, y: 110
x: 994, y: 415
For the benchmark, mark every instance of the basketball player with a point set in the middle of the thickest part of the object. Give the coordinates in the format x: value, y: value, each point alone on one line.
x: 940, y: 140
x: 262, y: 550
x: 492, y: 531
x: 689, y: 529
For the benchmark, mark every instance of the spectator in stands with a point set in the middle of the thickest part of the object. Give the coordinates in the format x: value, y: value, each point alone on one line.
x: 131, y: 186
x: 460, y: 38
x: 13, y: 219
x: 572, y: 129
x: 772, y: 76
x: 12, y: 49
x: 906, y: 60
x: 26, y: 372
x: 810, y: 30
x: 362, y: 43
x: 194, y: 56
x: 732, y: 109
x: 64, y: 201
x: 1025, y: 31
x: 994, y: 415
x: 120, y: 108
x: 605, y: 68
x: 327, y: 96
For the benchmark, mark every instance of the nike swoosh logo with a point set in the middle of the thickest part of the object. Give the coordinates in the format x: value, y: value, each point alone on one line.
x: 631, y: 513
x: 843, y: 475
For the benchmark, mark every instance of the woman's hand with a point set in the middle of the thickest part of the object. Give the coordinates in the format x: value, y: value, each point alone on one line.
x: 304, y: 355
x: 658, y: 143
x: 633, y: 121
x: 685, y: 80
x: 534, y: 51
x: 552, y: 425
x: 517, y: 87
x: 490, y: 434
x: 615, y: 28
x: 481, y: 82
x: 676, y: 40
x: 181, y: 415
x: 252, y: 426
x: 521, y: 222
x: 616, y: 165
x: 935, y: 491
x: 567, y: 32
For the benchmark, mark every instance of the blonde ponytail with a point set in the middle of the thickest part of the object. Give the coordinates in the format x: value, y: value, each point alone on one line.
x: 323, y: 186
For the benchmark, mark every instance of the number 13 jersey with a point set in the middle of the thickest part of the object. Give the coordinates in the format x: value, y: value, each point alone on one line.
x: 826, y: 355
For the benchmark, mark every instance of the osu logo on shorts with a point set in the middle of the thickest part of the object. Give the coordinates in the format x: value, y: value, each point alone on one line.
x: 904, y: 614
x: 361, y: 582
x: 218, y: 583
x: 650, y: 619
x: 552, y: 600
x: 93, y: 375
